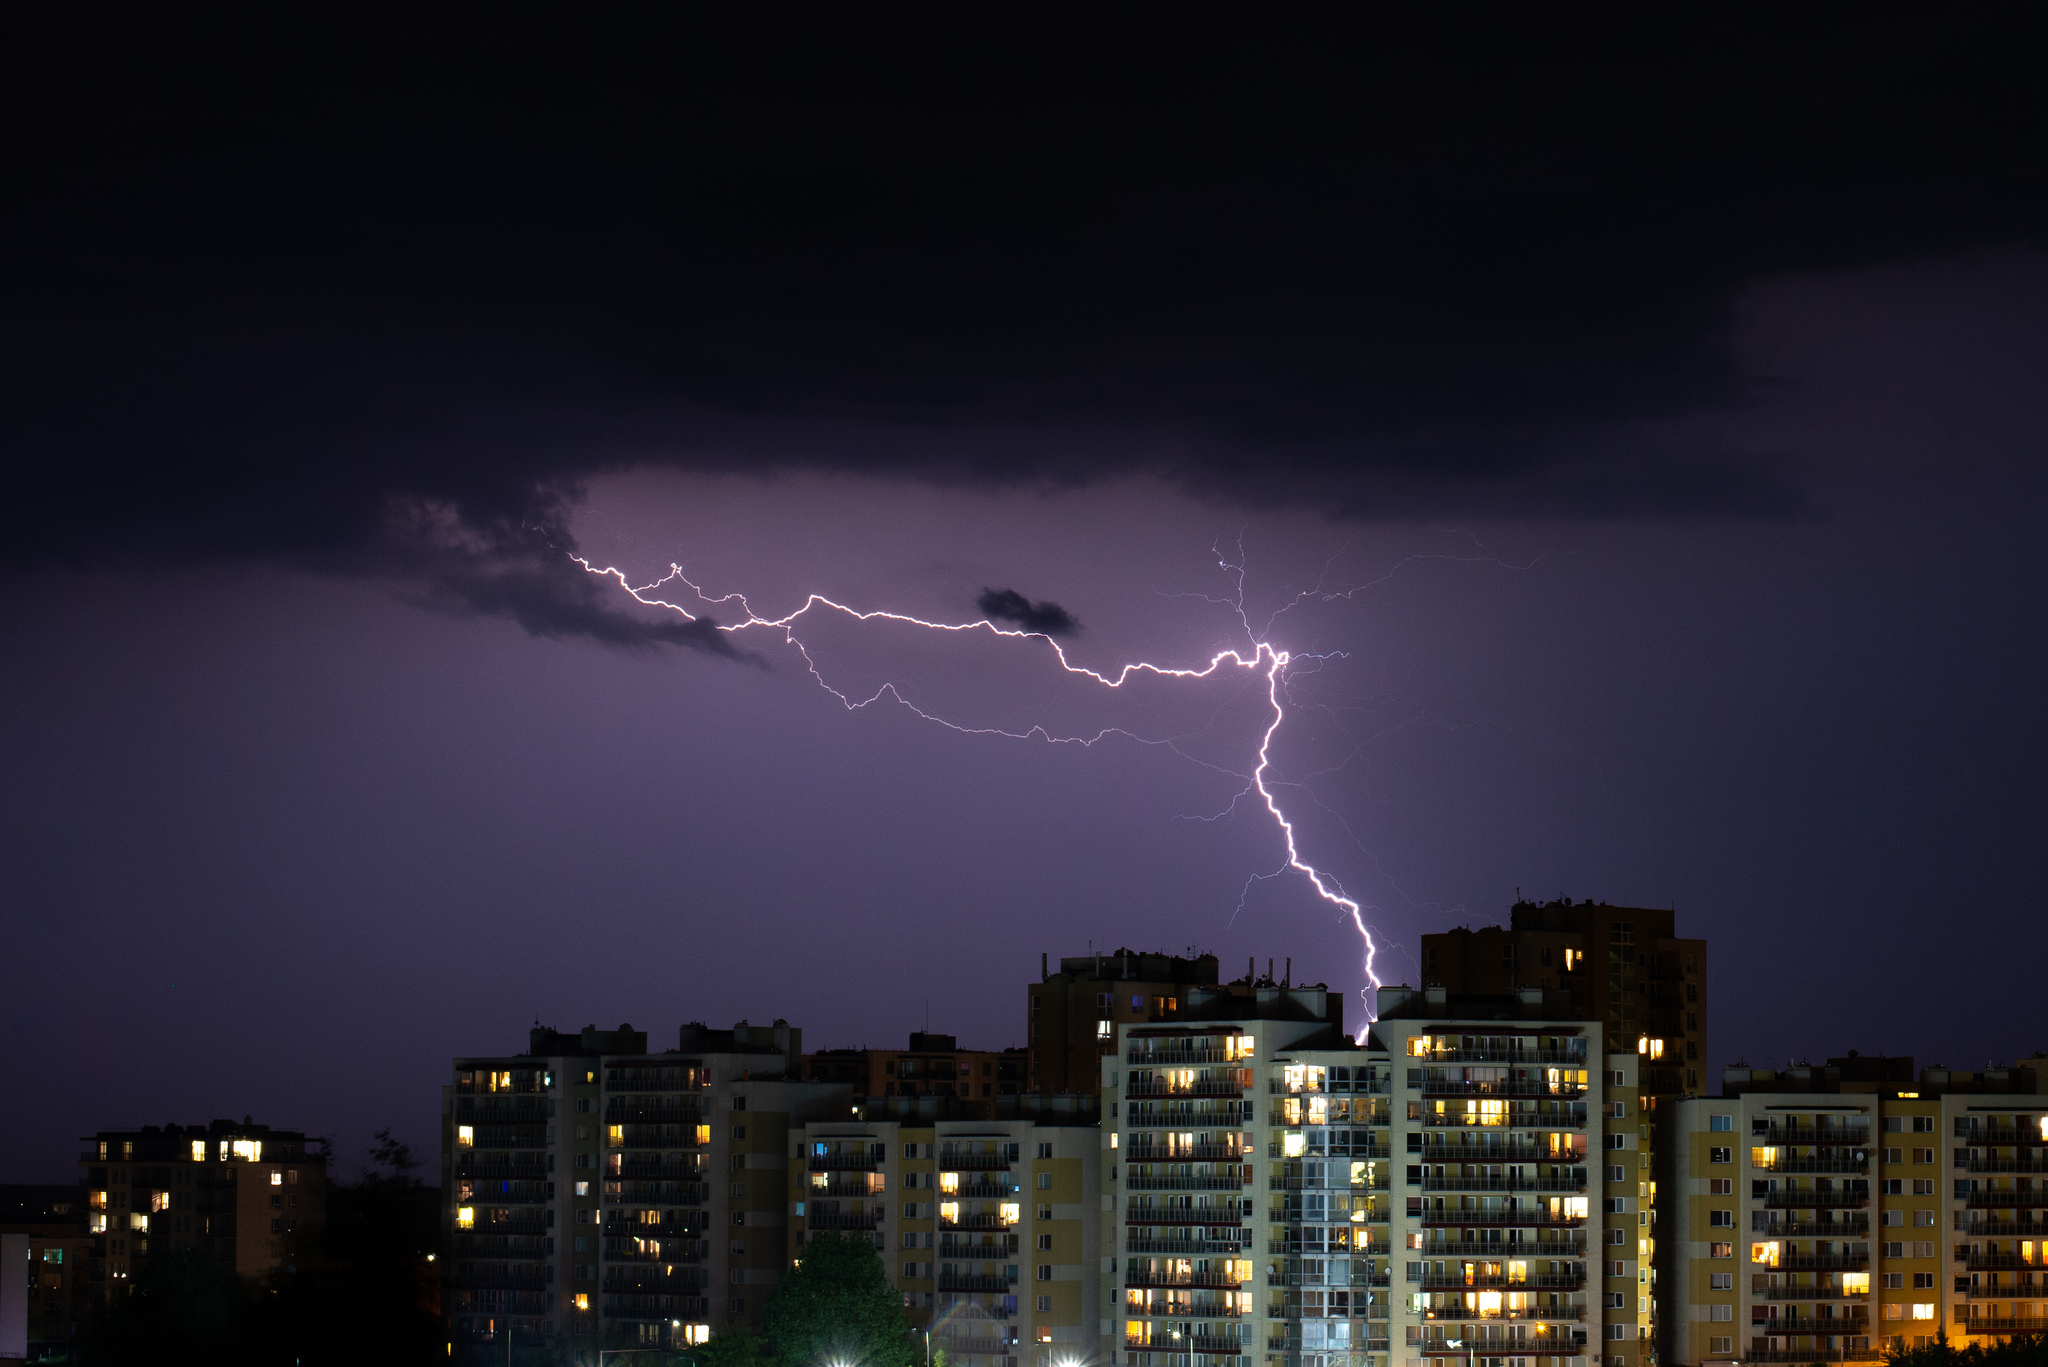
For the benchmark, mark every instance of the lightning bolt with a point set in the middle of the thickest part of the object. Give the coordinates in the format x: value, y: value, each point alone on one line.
x: 1261, y: 657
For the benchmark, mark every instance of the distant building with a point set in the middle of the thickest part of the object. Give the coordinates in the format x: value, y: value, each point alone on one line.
x: 988, y: 1223
x: 1825, y: 1213
x: 1073, y: 1014
x: 50, y: 1222
x: 1625, y: 966
x: 247, y: 1196
x: 933, y: 1065
x: 600, y: 1196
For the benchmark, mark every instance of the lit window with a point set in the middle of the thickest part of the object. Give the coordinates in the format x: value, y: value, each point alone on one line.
x: 137, y: 1220
x: 1923, y: 1311
x: 1294, y: 1145
x: 703, y: 1134
x: 1103, y: 1029
x: 159, y: 1200
x: 1765, y: 1253
x: 949, y: 1182
x: 1011, y: 1212
x: 465, y: 1217
x: 582, y: 1300
x: 696, y: 1333
x: 583, y: 1188
x: 97, y: 1200
x: 199, y: 1150
x: 277, y: 1177
x: 249, y: 1150
x: 615, y: 1135
x: 465, y: 1136
x: 949, y: 1211
x: 1855, y: 1283
x: 99, y: 1223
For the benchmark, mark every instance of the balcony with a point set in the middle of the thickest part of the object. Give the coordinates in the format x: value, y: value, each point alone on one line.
x: 1804, y: 1293
x: 985, y: 1190
x: 1810, y: 1135
x: 654, y: 1170
x: 653, y: 1113
x: 1495, y: 1151
x: 1852, y: 1161
x: 843, y: 1162
x: 1546, y: 1281
x: 1807, y: 1355
x: 1233, y: 1183
x: 1515, y: 1058
x: 1816, y: 1199
x: 1487, y: 1218
x: 1448, y: 1087
x: 1574, y: 1247
x: 1198, y: 1153
x: 1808, y: 1262
x: 970, y: 1162
x: 842, y: 1219
x: 1984, y: 1324
x: 1155, y: 1087
x: 956, y: 1344
x: 1549, y: 1184
x: 1572, y: 1117
x: 1982, y: 1200
x: 1195, y: 1247
x: 1568, y: 1314
x: 1977, y: 1260
x: 664, y: 1251
x: 2001, y: 1229
x: 846, y: 1191
x: 977, y: 1222
x: 2005, y: 1292
x: 500, y: 1277
x: 1857, y: 1227
x: 961, y: 1281
x: 1337, y: 1184
x: 1296, y: 1249
x: 1162, y: 1277
x: 1165, y: 1058
x: 2004, y: 1165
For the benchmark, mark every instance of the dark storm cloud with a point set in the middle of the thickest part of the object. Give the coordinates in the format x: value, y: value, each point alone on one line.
x: 269, y: 284
x: 1008, y: 605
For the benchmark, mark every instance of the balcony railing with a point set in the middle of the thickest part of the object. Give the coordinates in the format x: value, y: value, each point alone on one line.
x: 977, y: 1222
x: 1161, y: 1277
x: 1980, y: 1200
x: 1199, y: 1153
x: 961, y: 1281
x: 1185, y: 1247
x: 1550, y: 1184
x: 1165, y: 1058
x: 1985, y: 1324
x: 1485, y: 1218
x: 845, y: 1191
x: 1199, y: 1087
x: 1233, y: 1183
x: 1816, y: 1199
x: 842, y: 1219
x: 1978, y: 1259
x: 1323, y: 1184
x: 1541, y: 1248
x: 1567, y: 1313
x: 2001, y: 1229
x: 1813, y: 1229
x: 973, y: 1162
x: 843, y: 1162
x: 1522, y: 1058
x: 1448, y: 1087
x: 491, y: 1277
x: 1853, y: 1161
x: 1804, y: 1293
x: 1809, y: 1135
x: 1804, y: 1355
x: 1543, y: 1281
x: 1570, y: 1118
x: 1803, y: 1262
x: 2005, y: 1165
x: 955, y: 1344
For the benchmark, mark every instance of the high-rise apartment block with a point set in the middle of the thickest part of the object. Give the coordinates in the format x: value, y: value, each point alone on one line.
x: 1073, y: 1014
x: 600, y: 1196
x: 246, y: 1196
x: 1466, y: 1184
x: 1824, y: 1213
x: 1624, y: 966
x: 988, y: 1226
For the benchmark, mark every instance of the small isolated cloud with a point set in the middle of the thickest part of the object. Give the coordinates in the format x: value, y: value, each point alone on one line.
x: 1008, y: 605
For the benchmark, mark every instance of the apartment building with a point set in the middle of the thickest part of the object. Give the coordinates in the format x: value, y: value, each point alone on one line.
x: 988, y: 1226
x: 1427, y: 1195
x: 247, y: 1196
x: 1625, y: 966
x: 44, y: 1226
x: 600, y: 1196
x: 1824, y: 1212
x: 1073, y: 1014
x: 933, y: 1065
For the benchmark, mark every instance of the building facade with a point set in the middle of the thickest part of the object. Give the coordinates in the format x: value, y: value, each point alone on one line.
x: 249, y: 1197
x: 1467, y: 1184
x: 1823, y: 1213
x: 599, y: 1196
x: 1072, y: 1015
x: 988, y: 1226
x: 933, y: 1065
x: 49, y: 1222
x: 1624, y: 966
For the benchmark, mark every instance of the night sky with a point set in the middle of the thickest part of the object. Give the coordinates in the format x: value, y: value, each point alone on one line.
x: 1641, y: 426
